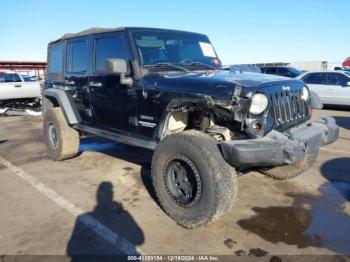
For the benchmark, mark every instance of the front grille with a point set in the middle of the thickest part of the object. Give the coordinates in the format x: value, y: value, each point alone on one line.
x: 288, y: 108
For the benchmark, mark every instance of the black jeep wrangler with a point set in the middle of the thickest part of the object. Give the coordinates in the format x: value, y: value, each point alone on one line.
x: 164, y: 90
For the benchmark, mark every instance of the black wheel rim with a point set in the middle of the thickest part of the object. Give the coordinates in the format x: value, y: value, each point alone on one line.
x: 53, y: 136
x: 182, y: 181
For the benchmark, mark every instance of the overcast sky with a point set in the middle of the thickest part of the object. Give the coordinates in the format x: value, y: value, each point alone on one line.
x: 241, y: 31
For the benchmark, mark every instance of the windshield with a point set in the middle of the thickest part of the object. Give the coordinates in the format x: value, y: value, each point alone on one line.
x: 294, y: 71
x: 245, y: 68
x: 28, y: 79
x: 347, y: 72
x: 155, y: 47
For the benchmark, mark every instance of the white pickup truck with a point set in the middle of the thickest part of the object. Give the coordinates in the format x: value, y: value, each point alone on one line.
x: 17, y: 96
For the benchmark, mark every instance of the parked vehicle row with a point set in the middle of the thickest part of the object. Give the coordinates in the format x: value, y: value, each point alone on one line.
x: 333, y: 87
x: 286, y: 71
x: 19, y: 96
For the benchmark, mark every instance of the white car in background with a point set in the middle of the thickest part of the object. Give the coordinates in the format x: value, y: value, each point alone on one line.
x: 333, y: 87
x: 19, y: 97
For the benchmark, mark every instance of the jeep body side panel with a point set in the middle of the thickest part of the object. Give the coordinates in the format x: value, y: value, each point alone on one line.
x: 119, y: 136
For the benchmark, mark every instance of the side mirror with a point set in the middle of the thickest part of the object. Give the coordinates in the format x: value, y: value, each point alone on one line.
x: 119, y: 66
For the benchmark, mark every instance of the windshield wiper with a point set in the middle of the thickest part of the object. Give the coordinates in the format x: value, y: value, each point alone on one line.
x: 200, y: 64
x: 168, y: 65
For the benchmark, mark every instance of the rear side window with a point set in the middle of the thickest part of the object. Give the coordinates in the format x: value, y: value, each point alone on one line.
x: 316, y: 79
x: 55, y: 59
x: 77, y: 57
x: 108, y: 47
x: 337, y: 79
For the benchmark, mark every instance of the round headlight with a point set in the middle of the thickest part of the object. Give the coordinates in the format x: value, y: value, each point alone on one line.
x: 305, y: 94
x: 259, y: 104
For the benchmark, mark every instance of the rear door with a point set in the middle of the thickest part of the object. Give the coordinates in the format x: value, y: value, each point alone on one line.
x: 114, y: 104
x: 340, y: 90
x: 76, y: 76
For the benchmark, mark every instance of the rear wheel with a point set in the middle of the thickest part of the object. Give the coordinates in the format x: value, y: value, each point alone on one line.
x: 61, y: 140
x: 290, y: 171
x: 194, y: 184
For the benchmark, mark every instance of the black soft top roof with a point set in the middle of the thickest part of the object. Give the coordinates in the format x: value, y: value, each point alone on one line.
x: 97, y: 30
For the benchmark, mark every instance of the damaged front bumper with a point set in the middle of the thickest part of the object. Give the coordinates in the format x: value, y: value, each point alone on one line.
x: 278, y: 148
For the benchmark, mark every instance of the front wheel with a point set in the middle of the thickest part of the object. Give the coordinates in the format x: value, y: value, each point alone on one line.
x: 194, y: 184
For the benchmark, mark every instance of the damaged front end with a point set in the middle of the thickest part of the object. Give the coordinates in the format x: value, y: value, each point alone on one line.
x: 282, y: 134
x: 278, y: 148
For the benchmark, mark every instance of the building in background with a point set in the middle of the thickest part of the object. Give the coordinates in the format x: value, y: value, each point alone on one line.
x: 310, y: 65
x: 28, y: 68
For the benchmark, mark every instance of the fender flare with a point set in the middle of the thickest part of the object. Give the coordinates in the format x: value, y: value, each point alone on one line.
x: 65, y: 102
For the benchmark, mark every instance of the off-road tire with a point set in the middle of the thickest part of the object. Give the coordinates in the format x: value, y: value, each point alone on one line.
x: 219, y: 180
x: 68, y: 138
x: 290, y: 171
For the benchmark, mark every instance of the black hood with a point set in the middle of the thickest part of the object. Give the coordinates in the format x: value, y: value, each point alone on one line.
x: 219, y: 82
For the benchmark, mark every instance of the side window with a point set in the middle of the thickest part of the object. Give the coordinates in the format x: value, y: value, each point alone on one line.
x: 282, y: 71
x: 77, y: 57
x: 271, y: 70
x: 108, y: 47
x: 316, y: 79
x: 332, y: 79
x: 55, y: 59
x: 341, y: 80
x: 337, y: 79
x: 9, y: 78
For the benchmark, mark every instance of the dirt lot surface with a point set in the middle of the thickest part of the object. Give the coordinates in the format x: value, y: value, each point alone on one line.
x: 102, y: 202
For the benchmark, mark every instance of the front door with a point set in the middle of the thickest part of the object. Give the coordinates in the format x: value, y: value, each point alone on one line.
x: 113, y: 104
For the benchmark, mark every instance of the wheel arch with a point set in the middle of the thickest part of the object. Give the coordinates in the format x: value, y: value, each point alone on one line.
x: 178, y: 114
x: 59, y: 98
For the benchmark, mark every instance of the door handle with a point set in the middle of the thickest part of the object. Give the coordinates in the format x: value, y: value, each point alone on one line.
x: 95, y: 84
x: 70, y: 82
x: 18, y: 85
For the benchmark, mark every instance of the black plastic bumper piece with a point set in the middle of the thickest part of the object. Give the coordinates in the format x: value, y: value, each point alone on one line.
x: 281, y: 148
